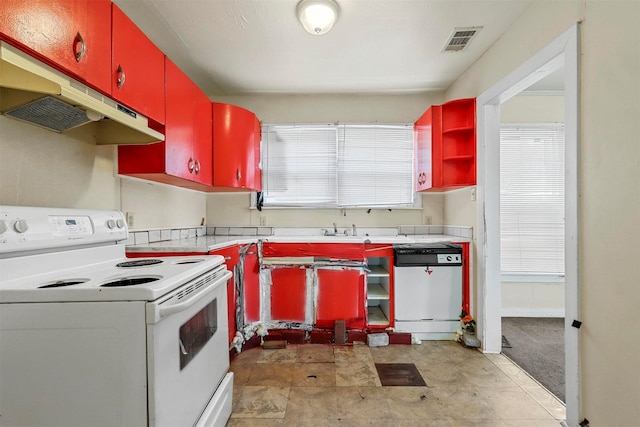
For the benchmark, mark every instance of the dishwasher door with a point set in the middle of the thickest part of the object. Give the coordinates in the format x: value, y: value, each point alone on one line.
x: 428, y: 301
x: 428, y: 293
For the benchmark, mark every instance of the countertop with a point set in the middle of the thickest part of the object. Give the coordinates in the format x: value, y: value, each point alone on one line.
x: 205, y: 244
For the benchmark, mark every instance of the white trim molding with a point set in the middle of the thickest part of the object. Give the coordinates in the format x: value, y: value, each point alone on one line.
x: 563, y: 52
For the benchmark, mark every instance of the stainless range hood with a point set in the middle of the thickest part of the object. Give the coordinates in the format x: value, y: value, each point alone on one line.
x: 33, y: 92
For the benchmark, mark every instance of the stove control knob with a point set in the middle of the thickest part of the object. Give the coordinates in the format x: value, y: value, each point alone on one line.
x: 3, y: 227
x: 120, y: 223
x: 20, y: 226
x: 111, y: 224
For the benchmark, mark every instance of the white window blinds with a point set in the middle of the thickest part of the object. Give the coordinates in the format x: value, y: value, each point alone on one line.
x: 532, y: 199
x: 355, y: 165
x: 375, y: 165
x: 299, y: 165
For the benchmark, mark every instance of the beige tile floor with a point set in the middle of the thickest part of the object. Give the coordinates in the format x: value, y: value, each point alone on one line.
x: 325, y: 385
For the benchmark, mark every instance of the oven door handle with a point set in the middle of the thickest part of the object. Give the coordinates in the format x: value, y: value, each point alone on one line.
x: 163, y: 309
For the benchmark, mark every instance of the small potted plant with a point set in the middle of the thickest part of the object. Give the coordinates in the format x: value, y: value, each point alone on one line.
x: 468, y: 323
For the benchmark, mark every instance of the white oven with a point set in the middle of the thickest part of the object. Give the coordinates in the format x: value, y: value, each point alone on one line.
x: 90, y: 338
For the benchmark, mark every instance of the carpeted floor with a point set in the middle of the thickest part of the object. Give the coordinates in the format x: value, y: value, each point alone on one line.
x: 537, y: 346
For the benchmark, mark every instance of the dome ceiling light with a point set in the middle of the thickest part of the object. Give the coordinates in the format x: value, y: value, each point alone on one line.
x: 317, y: 16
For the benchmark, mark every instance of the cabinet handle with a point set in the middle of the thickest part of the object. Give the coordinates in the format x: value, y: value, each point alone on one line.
x: 197, y: 167
x: 121, y: 76
x: 79, y: 47
x: 238, y: 174
x: 191, y: 165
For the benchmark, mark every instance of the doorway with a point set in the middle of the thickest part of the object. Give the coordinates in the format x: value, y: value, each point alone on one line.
x: 563, y: 52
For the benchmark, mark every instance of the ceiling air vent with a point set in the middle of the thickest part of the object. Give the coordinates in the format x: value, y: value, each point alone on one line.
x: 460, y: 38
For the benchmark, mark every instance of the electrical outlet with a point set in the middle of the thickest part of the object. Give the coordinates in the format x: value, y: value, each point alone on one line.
x: 129, y: 219
x: 427, y: 220
x: 263, y: 220
x: 473, y: 193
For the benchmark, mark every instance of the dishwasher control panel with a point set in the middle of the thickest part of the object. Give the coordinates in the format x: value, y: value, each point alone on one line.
x: 449, y: 259
x: 445, y: 254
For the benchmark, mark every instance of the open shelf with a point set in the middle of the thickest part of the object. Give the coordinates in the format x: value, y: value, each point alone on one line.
x: 376, y: 316
x: 377, y: 271
x: 379, y: 290
x: 461, y: 158
x: 375, y: 291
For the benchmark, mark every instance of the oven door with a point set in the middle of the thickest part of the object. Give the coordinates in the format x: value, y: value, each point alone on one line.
x: 187, y: 345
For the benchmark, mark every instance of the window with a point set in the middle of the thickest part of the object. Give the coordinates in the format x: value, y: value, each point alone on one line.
x: 350, y: 165
x: 532, y: 199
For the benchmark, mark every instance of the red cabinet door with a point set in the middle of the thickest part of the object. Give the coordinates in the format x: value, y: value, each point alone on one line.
x: 341, y: 296
x: 288, y: 294
x: 202, y: 144
x: 137, y: 68
x: 234, y: 147
x: 426, y: 150
x: 72, y: 35
x: 179, y: 131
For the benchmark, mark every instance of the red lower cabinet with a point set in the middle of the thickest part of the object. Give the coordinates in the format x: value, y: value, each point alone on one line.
x: 341, y: 296
x: 288, y: 294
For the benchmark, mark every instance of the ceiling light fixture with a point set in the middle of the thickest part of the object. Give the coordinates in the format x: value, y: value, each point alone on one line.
x: 317, y: 16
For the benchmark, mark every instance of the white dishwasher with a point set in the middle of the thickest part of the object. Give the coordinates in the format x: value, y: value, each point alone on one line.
x: 428, y: 290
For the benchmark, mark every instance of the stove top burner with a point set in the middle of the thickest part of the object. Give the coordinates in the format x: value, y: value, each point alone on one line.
x: 63, y: 283
x: 188, y: 261
x: 130, y: 281
x: 139, y: 263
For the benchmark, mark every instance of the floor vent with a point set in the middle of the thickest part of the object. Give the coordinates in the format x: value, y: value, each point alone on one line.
x: 399, y: 374
x: 460, y: 39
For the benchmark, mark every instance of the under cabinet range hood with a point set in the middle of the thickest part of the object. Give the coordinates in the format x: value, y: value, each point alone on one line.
x: 33, y: 92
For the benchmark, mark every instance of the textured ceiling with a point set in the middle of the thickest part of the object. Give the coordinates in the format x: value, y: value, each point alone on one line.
x: 233, y: 47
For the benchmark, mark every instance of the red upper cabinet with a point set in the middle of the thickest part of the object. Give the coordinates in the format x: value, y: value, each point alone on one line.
x: 236, y: 149
x: 137, y: 69
x: 446, y: 146
x: 72, y: 35
x: 185, y: 157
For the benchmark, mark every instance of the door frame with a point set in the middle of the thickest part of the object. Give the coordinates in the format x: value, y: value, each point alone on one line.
x: 563, y: 52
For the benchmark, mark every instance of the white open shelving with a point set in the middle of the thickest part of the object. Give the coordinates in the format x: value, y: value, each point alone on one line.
x: 378, y: 291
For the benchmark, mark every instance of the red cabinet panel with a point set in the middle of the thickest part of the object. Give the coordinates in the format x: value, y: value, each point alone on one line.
x: 184, y: 158
x: 137, y: 68
x: 251, y: 280
x: 236, y: 148
x: 72, y: 35
x: 425, y: 150
x: 341, y: 296
x: 231, y: 260
x: 288, y: 294
x: 446, y: 146
x: 348, y: 251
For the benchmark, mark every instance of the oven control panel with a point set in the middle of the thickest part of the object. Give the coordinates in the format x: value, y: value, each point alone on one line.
x: 35, y: 228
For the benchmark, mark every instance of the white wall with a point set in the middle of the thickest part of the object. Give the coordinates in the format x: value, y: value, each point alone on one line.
x: 233, y: 209
x: 609, y: 201
x: 43, y: 168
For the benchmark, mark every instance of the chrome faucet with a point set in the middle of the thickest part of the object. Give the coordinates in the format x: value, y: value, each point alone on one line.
x: 353, y: 230
x: 335, y: 228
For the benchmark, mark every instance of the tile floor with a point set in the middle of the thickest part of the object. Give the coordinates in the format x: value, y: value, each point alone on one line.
x: 325, y: 385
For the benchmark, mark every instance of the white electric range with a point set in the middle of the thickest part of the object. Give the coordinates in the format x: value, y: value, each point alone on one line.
x: 90, y: 337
